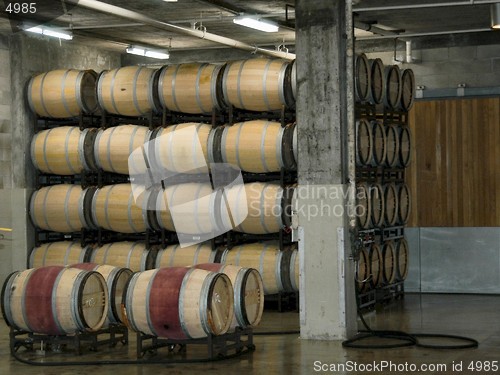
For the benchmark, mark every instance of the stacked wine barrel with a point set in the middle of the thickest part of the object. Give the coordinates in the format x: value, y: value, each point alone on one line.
x: 384, y: 95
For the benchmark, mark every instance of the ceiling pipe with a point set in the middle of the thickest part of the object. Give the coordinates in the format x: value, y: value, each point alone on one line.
x: 374, y: 29
x: 414, y: 35
x: 113, y: 10
x: 420, y: 6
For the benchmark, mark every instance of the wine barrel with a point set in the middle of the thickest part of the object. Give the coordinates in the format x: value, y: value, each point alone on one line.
x: 294, y: 270
x: 402, y: 260
x: 61, y: 208
x: 377, y: 202
x: 295, y: 145
x: 404, y: 199
x: 116, y: 279
x: 405, y: 146
x: 255, y: 84
x: 131, y: 255
x: 379, y: 143
x: 363, y: 271
x: 391, y: 204
x: 62, y: 150
x: 60, y: 253
x: 257, y: 146
x: 114, y: 207
x: 181, y: 148
x: 264, y: 257
x: 127, y: 91
x: 393, y: 86
x: 248, y: 293
x: 407, y: 90
x: 263, y: 203
x: 377, y: 81
x: 114, y: 146
x: 190, y: 88
x: 177, y: 256
x: 294, y: 79
x: 55, y: 300
x: 376, y: 265
x: 362, y: 76
x: 187, y: 208
x: 63, y: 93
x: 364, y: 142
x: 179, y: 303
x: 390, y: 262
x: 363, y: 205
x: 392, y: 146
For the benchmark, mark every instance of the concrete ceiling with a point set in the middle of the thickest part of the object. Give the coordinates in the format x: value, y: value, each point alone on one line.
x: 216, y: 16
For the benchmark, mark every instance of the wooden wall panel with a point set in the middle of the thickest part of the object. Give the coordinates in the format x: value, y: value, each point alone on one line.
x: 455, y: 169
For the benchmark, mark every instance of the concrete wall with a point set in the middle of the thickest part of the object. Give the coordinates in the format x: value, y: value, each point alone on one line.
x: 436, y: 68
x: 28, y: 56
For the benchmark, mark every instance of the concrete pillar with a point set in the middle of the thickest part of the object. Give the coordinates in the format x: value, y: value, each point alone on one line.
x: 325, y: 138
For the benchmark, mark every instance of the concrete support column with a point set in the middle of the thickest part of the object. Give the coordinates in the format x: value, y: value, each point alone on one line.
x: 326, y: 142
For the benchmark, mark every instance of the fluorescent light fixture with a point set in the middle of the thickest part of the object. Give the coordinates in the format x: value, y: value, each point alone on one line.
x: 255, y: 23
x: 141, y: 51
x: 50, y: 32
x: 170, y: 1
x: 495, y: 16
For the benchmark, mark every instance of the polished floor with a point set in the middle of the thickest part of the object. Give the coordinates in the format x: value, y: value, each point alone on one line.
x: 474, y: 316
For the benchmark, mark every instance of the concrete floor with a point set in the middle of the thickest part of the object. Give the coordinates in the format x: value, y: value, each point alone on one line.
x: 474, y: 316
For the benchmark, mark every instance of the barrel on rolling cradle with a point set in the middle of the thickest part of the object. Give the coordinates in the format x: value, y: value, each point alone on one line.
x: 115, y: 208
x: 125, y: 254
x: 61, y: 208
x: 257, y: 84
x: 194, y: 88
x: 64, y: 150
x: 63, y: 93
x: 181, y: 148
x: 116, y: 279
x: 55, y: 300
x: 128, y: 91
x: 179, y: 303
x: 257, y: 146
x: 392, y: 96
x: 177, y: 256
x: 377, y: 82
x: 248, y: 293
x: 114, y: 146
x: 362, y: 78
x: 61, y: 253
x: 272, y: 264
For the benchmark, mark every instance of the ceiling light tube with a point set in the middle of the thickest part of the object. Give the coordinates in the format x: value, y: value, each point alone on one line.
x: 157, y: 55
x: 141, y: 51
x: 254, y: 23
x: 495, y: 16
x: 50, y: 32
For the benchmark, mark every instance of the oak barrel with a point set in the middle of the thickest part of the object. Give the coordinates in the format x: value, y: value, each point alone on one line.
x: 377, y: 203
x: 362, y: 78
x: 132, y: 255
x: 364, y: 142
x: 404, y: 199
x: 264, y: 257
x: 55, y: 300
x: 181, y: 148
x: 128, y: 91
x: 61, y: 253
x: 114, y: 146
x: 379, y: 143
x: 294, y: 270
x: 392, y: 146
x: 179, y: 303
x: 390, y: 262
x: 377, y: 81
x: 363, y: 205
x: 190, y: 88
x: 63, y: 93
x: 116, y: 279
x: 177, y: 256
x: 405, y: 146
x: 393, y: 86
x: 376, y: 265
x: 391, y: 204
x: 248, y: 293
x: 402, y: 259
x: 407, y: 90
x: 115, y: 208
x: 293, y: 78
x: 255, y: 84
x: 363, y: 271
x: 61, y: 208
x: 62, y: 151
